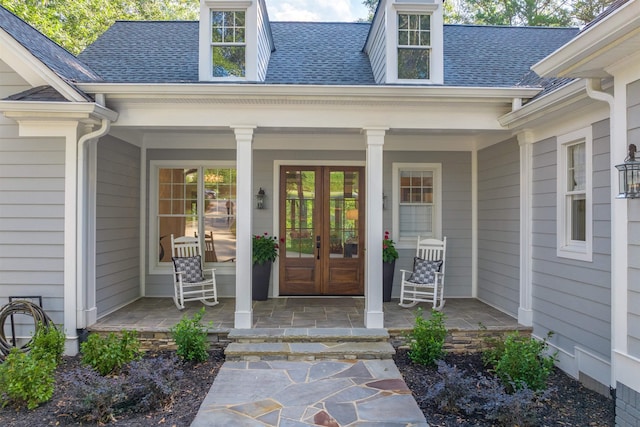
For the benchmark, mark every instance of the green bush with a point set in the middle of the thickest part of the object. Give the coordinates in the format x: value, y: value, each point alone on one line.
x: 110, y: 353
x: 48, y: 341
x: 26, y: 380
x: 426, y: 340
x: 190, y: 336
x: 521, y: 361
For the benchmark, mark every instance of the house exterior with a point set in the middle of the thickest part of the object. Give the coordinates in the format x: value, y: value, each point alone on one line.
x: 502, y: 139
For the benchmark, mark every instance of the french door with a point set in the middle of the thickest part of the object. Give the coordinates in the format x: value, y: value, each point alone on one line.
x: 322, y: 223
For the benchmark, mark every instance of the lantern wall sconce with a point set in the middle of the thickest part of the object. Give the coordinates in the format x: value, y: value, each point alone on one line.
x: 384, y: 201
x: 629, y: 175
x: 260, y: 199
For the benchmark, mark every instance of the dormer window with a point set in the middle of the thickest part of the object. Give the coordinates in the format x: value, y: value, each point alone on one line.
x: 414, y: 46
x: 228, y: 43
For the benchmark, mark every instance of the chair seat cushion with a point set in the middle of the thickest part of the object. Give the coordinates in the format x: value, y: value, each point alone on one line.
x: 191, y: 268
x: 424, y: 271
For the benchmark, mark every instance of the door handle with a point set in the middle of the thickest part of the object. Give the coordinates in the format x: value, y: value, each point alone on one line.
x: 318, y: 246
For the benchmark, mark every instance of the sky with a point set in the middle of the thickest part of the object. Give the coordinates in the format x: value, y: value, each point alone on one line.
x: 316, y: 10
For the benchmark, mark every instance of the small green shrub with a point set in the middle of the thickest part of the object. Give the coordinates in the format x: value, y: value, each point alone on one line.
x: 426, y: 340
x: 26, y: 380
x: 48, y: 341
x: 190, y: 336
x: 521, y: 361
x: 110, y: 353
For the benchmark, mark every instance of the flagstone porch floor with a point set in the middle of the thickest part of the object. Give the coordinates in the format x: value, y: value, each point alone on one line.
x: 160, y: 314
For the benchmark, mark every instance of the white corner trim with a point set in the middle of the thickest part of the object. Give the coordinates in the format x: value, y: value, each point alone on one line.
x: 583, y: 361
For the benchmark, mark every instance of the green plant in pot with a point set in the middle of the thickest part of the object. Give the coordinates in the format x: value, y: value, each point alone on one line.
x: 265, y: 251
x: 389, y: 257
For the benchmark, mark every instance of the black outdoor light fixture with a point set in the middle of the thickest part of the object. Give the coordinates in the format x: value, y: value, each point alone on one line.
x: 260, y: 198
x: 629, y: 173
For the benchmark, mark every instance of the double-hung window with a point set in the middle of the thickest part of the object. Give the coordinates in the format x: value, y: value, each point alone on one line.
x: 414, y: 46
x: 228, y: 43
x: 417, y: 201
x: 574, y: 195
x: 191, y: 199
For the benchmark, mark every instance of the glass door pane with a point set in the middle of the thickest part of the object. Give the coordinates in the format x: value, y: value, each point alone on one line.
x: 300, y: 201
x: 343, y: 214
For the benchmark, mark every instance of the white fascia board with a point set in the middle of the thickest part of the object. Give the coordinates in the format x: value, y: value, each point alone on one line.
x: 31, y: 110
x: 34, y: 71
x: 593, y: 42
x: 310, y: 92
x: 552, y: 101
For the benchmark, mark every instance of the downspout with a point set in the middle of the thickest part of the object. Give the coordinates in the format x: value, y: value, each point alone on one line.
x: 85, y: 236
x: 618, y: 272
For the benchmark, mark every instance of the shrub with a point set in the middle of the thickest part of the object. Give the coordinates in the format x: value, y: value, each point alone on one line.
x: 191, y: 338
x: 521, y: 362
x: 144, y: 385
x: 26, y: 380
x: 108, y: 354
x: 426, y: 340
x: 459, y: 391
x: 48, y: 341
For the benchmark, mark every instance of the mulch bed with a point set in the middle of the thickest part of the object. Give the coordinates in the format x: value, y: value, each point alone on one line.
x: 190, y: 392
x: 568, y: 404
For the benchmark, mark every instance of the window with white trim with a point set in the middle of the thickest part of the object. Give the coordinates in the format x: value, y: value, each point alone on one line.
x: 228, y: 43
x: 417, y: 201
x: 414, y: 46
x: 189, y: 199
x: 574, y: 198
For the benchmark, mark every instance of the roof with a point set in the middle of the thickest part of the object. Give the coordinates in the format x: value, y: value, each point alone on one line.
x: 319, y: 53
x: 56, y: 58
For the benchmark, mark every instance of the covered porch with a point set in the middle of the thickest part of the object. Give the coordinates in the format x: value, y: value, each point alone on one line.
x: 467, y: 320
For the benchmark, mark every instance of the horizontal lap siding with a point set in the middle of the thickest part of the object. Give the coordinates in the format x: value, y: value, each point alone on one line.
x: 633, y: 206
x: 31, y: 211
x: 117, y: 224
x: 456, y: 215
x: 499, y: 225
x: 572, y: 298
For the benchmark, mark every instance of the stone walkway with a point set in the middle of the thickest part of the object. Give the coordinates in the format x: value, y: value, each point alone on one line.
x: 325, y: 393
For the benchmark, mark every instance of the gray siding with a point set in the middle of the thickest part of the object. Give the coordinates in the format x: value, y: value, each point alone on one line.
x: 499, y: 226
x: 117, y: 224
x: 31, y: 211
x: 264, y: 44
x: 570, y: 297
x: 378, y: 51
x: 456, y: 216
x: 633, y: 123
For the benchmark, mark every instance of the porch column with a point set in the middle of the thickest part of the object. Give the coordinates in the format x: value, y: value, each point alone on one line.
x: 244, y: 168
x: 373, y: 313
x: 525, y: 312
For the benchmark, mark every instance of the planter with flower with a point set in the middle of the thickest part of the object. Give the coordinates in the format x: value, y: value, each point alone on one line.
x: 389, y: 257
x: 265, y: 251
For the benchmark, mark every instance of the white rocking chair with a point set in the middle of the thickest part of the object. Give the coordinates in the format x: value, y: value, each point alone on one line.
x: 190, y: 284
x: 426, y: 282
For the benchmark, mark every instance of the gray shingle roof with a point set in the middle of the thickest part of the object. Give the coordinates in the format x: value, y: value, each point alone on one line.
x: 53, y: 56
x: 497, y: 56
x: 320, y: 53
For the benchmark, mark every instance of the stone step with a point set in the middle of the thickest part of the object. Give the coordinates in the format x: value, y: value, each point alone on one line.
x: 302, y: 335
x: 308, y: 351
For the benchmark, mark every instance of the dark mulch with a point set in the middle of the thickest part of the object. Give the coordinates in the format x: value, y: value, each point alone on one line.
x: 180, y: 411
x: 569, y: 403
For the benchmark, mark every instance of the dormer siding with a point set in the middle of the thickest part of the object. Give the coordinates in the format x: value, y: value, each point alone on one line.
x: 376, y: 47
x: 265, y: 41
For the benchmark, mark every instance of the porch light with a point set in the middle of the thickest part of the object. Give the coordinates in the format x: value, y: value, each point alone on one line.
x: 629, y: 173
x: 260, y: 199
x: 384, y: 201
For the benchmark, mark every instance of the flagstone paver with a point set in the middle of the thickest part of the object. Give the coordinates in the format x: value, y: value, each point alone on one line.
x: 336, y: 393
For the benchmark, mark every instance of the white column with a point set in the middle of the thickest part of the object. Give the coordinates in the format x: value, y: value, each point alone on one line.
x: 373, y: 312
x: 525, y: 311
x: 244, y: 215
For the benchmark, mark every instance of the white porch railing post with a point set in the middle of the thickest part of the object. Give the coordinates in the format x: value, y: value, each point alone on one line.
x: 244, y: 215
x: 373, y: 311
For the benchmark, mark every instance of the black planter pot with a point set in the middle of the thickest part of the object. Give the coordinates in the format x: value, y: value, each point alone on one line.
x: 260, y: 281
x: 388, y: 268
